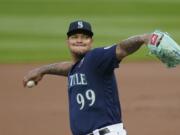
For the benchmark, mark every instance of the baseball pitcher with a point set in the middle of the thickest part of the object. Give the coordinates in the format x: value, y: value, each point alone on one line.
x: 94, y: 104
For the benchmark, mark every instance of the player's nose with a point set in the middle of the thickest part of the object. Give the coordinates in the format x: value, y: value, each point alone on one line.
x: 79, y: 40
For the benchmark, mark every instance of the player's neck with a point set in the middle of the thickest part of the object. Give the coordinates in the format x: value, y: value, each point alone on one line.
x: 76, y: 57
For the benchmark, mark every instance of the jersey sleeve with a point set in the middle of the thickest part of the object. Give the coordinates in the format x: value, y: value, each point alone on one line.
x: 104, y: 60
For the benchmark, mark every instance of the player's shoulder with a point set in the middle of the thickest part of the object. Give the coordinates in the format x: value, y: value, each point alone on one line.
x: 102, y: 49
x: 98, y: 52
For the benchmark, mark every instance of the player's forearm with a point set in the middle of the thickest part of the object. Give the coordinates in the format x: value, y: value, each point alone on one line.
x: 131, y: 45
x: 61, y: 68
x: 55, y: 69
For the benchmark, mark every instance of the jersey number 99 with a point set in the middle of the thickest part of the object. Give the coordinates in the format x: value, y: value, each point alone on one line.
x: 89, y: 96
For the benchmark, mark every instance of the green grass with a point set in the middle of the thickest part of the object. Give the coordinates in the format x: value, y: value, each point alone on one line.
x: 35, y: 30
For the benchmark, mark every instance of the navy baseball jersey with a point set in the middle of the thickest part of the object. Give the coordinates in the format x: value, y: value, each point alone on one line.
x: 93, y: 93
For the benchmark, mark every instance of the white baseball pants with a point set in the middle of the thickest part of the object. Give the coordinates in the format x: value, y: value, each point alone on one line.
x: 116, y: 129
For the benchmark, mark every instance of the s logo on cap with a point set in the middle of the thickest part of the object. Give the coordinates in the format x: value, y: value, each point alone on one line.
x: 80, y: 25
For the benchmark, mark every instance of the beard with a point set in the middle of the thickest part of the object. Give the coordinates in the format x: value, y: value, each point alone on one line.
x: 79, y: 54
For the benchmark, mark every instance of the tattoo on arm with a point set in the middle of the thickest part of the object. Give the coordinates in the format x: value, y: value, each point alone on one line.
x: 61, y: 68
x: 130, y: 45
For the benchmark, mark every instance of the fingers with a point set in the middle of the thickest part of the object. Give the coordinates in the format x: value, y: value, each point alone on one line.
x: 34, y: 75
x: 29, y: 77
x: 26, y: 80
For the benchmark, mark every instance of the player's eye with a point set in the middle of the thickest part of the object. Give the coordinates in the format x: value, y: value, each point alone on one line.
x: 85, y: 37
x: 74, y: 37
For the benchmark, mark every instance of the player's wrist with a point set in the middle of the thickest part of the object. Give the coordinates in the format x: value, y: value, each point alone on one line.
x: 42, y: 71
x: 146, y: 38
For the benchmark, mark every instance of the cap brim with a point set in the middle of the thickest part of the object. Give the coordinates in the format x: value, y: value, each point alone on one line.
x: 82, y: 31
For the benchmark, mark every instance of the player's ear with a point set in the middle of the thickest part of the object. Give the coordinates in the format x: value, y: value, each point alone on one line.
x: 92, y: 40
x: 67, y: 41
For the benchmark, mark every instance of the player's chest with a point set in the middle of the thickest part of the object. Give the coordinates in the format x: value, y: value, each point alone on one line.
x: 77, y: 79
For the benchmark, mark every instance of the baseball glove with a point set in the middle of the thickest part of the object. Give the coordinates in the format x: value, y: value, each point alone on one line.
x: 165, y: 48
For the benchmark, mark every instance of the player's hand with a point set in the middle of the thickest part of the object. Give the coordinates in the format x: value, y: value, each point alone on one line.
x: 34, y: 75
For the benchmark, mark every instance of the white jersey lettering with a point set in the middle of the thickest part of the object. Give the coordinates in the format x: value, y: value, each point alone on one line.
x: 77, y: 79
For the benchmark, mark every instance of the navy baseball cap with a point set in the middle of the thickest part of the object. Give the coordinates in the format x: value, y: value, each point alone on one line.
x: 80, y: 26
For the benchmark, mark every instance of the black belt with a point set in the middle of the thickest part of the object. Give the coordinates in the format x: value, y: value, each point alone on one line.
x: 102, y: 131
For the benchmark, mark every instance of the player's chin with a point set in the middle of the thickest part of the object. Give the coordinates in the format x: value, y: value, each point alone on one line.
x: 79, y: 51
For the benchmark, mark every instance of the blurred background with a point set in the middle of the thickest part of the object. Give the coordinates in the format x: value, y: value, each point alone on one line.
x: 33, y: 32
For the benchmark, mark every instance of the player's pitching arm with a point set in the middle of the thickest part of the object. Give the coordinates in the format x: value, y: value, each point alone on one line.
x: 131, y: 45
x: 37, y: 74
